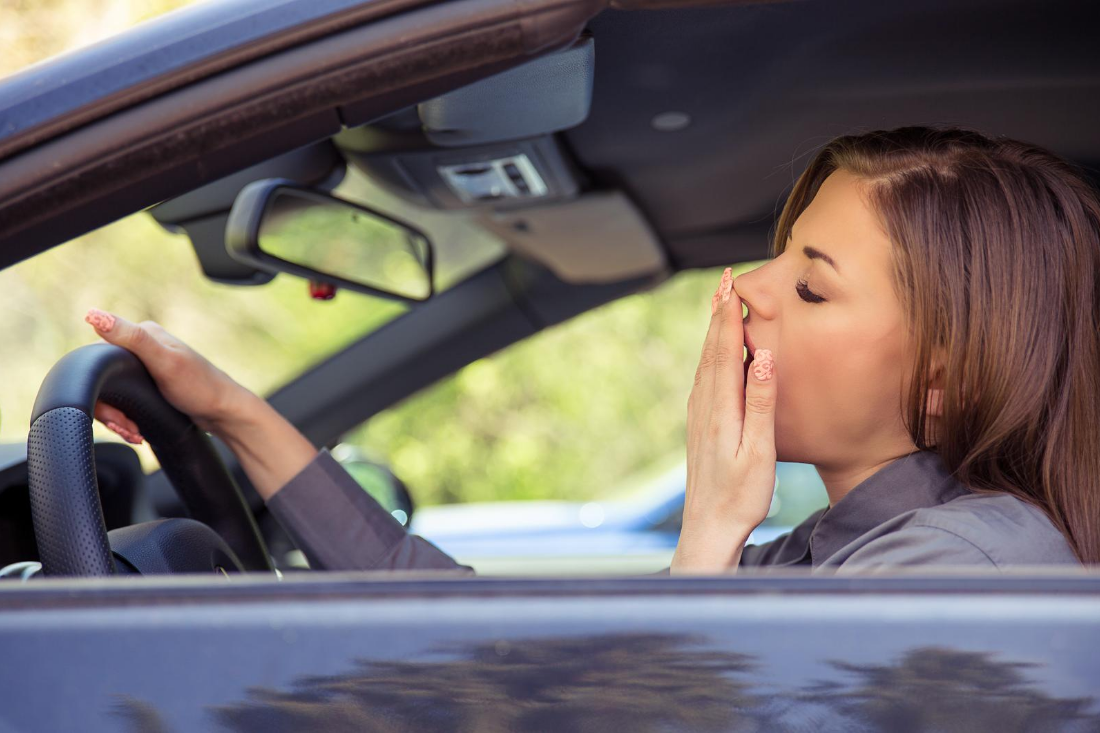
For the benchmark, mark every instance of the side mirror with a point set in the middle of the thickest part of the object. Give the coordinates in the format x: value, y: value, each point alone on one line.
x: 278, y: 226
x: 377, y: 480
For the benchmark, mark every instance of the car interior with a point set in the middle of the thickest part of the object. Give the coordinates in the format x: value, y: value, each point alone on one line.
x: 600, y: 150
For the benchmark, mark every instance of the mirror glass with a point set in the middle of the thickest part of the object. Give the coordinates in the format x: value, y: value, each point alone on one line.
x: 338, y: 239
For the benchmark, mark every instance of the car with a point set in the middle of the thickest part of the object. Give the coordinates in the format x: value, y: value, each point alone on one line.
x: 547, y: 181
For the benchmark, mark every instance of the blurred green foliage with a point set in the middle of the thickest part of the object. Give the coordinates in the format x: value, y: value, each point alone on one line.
x: 570, y: 413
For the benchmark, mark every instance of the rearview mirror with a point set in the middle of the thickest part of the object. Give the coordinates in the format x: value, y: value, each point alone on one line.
x: 278, y: 226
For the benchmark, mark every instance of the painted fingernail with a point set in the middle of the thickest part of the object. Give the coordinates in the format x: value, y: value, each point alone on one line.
x: 127, y: 435
x: 727, y: 284
x: 101, y: 321
x: 763, y: 364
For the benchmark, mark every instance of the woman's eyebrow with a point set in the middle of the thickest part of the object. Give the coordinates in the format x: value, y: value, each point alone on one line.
x: 816, y: 254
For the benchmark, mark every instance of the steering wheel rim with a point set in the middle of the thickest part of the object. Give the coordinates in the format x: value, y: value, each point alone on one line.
x: 64, y: 492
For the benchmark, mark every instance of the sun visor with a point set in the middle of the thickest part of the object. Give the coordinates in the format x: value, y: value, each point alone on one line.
x: 551, y: 93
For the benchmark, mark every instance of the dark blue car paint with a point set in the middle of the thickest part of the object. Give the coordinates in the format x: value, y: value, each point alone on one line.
x: 355, y: 653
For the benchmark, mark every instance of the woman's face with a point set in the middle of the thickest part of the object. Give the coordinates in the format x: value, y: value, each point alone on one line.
x: 843, y: 361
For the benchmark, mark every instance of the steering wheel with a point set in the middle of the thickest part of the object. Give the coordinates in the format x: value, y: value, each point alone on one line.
x: 221, y: 534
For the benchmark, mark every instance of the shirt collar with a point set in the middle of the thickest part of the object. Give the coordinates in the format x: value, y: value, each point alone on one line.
x: 914, y: 481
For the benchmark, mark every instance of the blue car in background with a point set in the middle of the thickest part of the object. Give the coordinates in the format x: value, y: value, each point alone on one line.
x: 635, y: 531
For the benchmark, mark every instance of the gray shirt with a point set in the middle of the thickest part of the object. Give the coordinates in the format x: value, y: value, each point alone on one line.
x: 911, y: 512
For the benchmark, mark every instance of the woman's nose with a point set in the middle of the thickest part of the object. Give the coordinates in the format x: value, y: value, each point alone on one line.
x: 752, y: 289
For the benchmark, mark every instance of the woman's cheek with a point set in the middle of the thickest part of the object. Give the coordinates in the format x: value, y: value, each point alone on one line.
x: 814, y: 387
x: 795, y: 408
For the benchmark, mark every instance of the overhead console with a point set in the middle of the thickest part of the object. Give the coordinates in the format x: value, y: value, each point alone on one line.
x: 487, y: 144
x: 517, y: 173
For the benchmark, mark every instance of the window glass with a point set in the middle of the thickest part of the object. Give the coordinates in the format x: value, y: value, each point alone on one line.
x: 262, y: 335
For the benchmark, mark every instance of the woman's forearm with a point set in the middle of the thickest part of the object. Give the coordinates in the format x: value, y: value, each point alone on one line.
x: 271, y: 450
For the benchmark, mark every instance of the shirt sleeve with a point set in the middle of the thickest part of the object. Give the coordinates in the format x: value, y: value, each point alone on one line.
x: 790, y: 548
x: 339, y: 526
x: 922, y: 545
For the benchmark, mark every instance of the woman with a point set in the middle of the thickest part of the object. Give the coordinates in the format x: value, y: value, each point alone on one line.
x: 931, y: 311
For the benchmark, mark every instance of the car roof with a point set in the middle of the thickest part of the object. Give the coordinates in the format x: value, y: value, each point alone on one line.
x: 760, y: 86
x: 765, y: 84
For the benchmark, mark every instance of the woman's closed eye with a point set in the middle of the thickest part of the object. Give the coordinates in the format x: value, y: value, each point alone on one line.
x: 804, y: 292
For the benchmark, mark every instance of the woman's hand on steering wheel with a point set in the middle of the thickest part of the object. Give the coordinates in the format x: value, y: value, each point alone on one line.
x: 187, y: 379
x: 270, y: 449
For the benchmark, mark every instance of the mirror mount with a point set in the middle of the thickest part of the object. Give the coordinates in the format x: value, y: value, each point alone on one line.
x: 279, y: 226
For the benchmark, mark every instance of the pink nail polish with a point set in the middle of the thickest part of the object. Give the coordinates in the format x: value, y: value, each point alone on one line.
x: 127, y: 435
x: 101, y: 320
x: 763, y: 364
x: 727, y: 284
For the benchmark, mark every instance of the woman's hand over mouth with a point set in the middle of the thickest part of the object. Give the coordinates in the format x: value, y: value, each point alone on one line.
x: 730, y: 444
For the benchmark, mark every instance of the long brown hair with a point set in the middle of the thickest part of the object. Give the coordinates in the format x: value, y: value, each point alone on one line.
x: 997, y: 266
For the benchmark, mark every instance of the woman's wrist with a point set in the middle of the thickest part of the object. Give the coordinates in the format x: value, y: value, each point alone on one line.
x: 234, y: 407
x: 271, y: 450
x: 711, y: 550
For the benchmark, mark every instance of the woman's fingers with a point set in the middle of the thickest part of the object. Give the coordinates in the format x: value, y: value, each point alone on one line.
x: 699, y: 402
x: 758, y: 433
x: 141, y: 339
x: 729, y: 361
x: 116, y: 421
x: 704, y: 374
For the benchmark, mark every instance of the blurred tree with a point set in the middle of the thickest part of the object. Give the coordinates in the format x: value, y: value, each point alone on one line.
x: 630, y: 682
x: 948, y: 690
x: 566, y: 414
